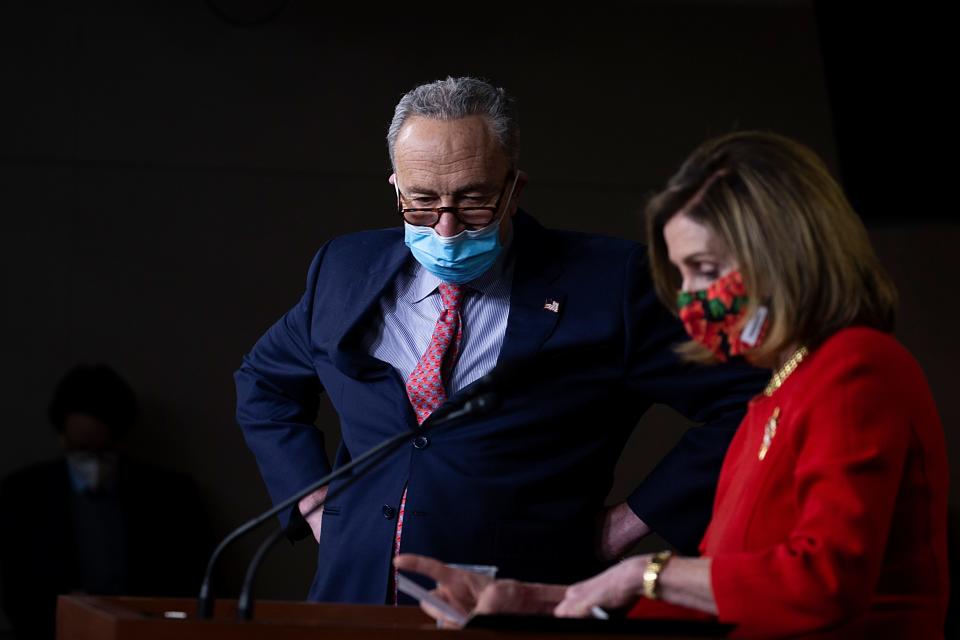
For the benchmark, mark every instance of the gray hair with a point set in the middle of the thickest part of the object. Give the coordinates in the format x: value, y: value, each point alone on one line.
x: 456, y: 98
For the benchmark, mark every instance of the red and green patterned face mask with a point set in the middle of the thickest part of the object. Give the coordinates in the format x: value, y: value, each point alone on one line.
x: 712, y: 317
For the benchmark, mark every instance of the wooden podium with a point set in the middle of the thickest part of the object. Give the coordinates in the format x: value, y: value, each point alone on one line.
x: 122, y: 618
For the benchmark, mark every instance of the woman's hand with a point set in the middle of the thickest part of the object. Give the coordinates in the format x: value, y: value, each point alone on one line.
x: 618, y: 586
x: 525, y: 598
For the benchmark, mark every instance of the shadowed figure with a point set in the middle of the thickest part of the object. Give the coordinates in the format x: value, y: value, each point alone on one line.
x: 92, y: 520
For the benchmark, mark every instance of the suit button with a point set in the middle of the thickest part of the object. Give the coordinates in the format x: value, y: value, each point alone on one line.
x: 389, y: 512
x: 421, y: 442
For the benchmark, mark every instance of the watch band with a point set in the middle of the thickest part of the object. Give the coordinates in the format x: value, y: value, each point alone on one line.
x: 651, y: 574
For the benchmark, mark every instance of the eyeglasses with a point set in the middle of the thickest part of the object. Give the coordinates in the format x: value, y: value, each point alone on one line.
x: 470, y: 217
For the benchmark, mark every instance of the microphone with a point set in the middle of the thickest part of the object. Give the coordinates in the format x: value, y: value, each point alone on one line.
x: 481, y: 402
x: 476, y: 405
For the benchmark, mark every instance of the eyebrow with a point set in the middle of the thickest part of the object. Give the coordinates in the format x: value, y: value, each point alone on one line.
x: 476, y: 186
x: 699, y: 256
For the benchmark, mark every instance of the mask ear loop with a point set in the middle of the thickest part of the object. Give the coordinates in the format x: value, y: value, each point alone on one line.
x: 513, y: 187
x: 753, y: 329
x: 506, y: 206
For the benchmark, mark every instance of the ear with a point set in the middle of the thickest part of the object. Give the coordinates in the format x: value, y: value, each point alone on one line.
x: 392, y: 179
x: 522, y: 180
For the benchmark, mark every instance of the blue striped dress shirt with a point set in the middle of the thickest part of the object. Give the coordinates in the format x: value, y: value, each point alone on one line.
x: 410, y: 309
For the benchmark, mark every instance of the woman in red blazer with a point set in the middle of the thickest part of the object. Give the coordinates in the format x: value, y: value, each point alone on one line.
x: 830, y: 513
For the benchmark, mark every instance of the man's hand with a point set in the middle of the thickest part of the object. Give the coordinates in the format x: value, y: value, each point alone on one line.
x: 458, y: 588
x: 617, y: 587
x: 620, y: 529
x: 315, y: 519
x: 472, y: 593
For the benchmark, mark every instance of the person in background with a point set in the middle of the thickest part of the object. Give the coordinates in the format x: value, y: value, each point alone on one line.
x: 831, y: 509
x: 93, y: 520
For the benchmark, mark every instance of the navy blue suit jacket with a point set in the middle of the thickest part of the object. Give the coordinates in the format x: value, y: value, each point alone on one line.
x: 521, y: 488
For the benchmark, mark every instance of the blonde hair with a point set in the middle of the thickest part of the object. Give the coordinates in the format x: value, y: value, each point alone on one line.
x: 801, y: 249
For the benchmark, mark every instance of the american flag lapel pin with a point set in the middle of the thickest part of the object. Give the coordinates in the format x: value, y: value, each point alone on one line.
x: 552, y: 305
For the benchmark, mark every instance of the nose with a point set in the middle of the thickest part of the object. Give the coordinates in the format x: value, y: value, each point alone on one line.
x: 448, y: 225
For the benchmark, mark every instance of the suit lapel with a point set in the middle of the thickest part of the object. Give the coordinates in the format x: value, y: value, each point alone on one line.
x: 362, y: 295
x: 536, y: 300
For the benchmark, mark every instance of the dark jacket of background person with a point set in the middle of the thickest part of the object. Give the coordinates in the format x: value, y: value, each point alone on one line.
x: 161, y: 541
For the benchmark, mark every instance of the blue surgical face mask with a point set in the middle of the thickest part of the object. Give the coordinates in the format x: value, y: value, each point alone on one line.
x: 460, y: 258
x: 91, y: 471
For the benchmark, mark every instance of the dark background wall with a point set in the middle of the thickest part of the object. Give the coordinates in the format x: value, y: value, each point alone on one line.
x: 168, y: 169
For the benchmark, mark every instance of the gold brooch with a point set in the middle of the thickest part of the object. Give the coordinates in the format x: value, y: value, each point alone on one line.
x: 769, y: 431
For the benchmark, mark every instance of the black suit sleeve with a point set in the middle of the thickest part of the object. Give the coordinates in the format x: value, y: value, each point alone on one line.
x: 676, y: 499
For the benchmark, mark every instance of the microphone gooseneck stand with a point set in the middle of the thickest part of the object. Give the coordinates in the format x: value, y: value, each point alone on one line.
x: 479, y: 405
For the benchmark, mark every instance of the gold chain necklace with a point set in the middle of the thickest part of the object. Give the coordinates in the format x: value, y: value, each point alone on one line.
x: 780, y: 375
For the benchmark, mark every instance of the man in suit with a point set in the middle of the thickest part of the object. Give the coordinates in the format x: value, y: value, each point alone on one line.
x: 94, y: 520
x: 397, y: 323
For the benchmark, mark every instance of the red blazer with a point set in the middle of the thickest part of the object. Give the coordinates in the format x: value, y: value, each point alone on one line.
x: 843, y: 524
x: 841, y: 530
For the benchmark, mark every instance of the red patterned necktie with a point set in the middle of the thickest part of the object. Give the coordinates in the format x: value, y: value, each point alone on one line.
x: 425, y: 386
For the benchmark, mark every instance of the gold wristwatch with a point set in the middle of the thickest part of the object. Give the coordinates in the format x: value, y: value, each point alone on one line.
x: 651, y: 574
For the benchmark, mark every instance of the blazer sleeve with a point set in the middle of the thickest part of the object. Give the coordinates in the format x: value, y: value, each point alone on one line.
x: 676, y: 498
x: 847, y: 469
x: 277, y: 400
